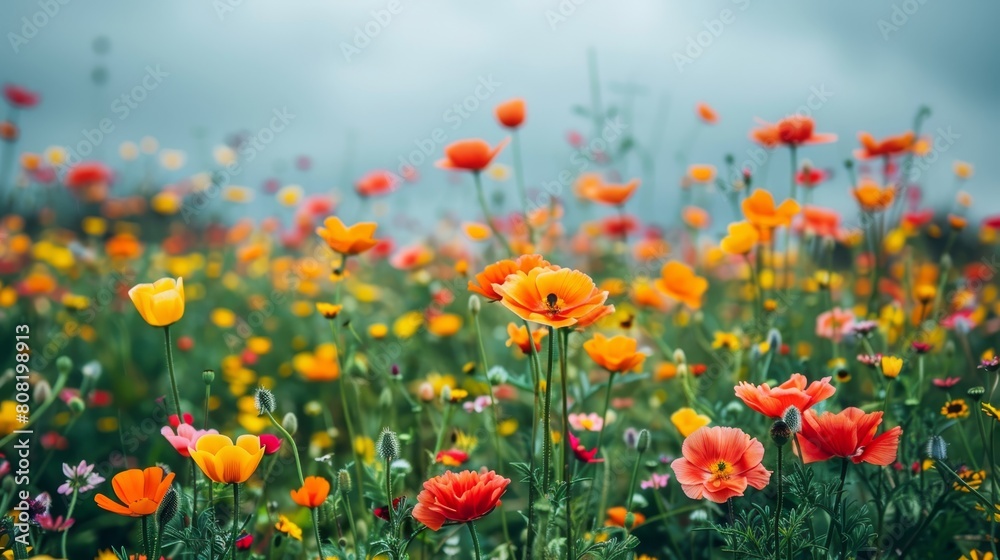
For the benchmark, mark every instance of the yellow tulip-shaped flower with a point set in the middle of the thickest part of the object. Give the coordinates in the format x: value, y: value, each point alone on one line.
x: 225, y: 462
x: 161, y: 303
x: 742, y: 238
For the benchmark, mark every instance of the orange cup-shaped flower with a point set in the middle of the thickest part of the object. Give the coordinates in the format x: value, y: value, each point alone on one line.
x: 759, y: 210
x: 140, y: 492
x: 313, y: 493
x: 345, y: 240
x: 792, y: 393
x: 223, y: 461
x: 616, y: 354
x: 557, y: 298
x: 706, y: 113
x: 720, y: 463
x: 872, y: 197
x: 498, y: 272
x: 614, y: 194
x: 742, y: 238
x: 459, y: 498
x: 850, y: 434
x: 161, y: 303
x: 469, y: 155
x: 519, y: 336
x: 511, y: 113
x: 678, y: 281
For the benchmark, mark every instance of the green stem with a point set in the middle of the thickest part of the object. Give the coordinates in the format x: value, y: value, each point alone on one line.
x: 69, y: 515
x: 496, y: 410
x: 319, y: 541
x: 475, y: 540
x: 295, y: 448
x: 777, y: 508
x: 350, y: 521
x: 564, y: 345
x: 519, y: 176
x: 173, y: 378
x: 547, y: 417
x: 600, y: 439
x: 344, y: 406
x: 486, y: 213
x: 836, y: 504
x: 145, y: 537
x: 236, y: 516
x: 631, y: 486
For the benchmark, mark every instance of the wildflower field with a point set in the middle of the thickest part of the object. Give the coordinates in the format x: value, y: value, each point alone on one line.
x: 544, y: 375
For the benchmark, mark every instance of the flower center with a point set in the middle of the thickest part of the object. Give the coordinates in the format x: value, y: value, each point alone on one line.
x: 721, y: 470
x: 553, y: 303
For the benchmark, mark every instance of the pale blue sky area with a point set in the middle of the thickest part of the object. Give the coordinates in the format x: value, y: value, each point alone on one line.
x: 394, y: 71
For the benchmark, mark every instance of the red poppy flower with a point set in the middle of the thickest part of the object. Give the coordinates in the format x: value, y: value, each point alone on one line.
x: 452, y: 457
x: 470, y: 155
x: 511, y: 113
x: 849, y: 434
x: 244, y: 542
x: 382, y: 512
x: 19, y: 97
x: 582, y: 453
x: 774, y: 402
x: 376, y: 183
x: 890, y: 146
x: 459, y: 498
x: 792, y: 131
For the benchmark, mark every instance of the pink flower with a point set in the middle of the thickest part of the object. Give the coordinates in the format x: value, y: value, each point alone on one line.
x: 834, y: 324
x: 478, y: 405
x: 186, y: 436
x: 47, y: 523
x: 271, y: 443
x: 655, y: 482
x: 586, y: 422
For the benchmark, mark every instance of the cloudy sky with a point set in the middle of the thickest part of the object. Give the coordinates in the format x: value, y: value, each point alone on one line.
x: 368, y: 82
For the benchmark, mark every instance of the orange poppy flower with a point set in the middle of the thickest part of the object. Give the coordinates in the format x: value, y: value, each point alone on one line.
x: 849, y: 434
x: 645, y: 295
x: 313, y: 493
x: 701, y: 173
x: 614, y: 194
x: 822, y: 222
x: 719, y: 463
x: 519, y: 336
x: 796, y: 130
x: 890, y: 146
x: 511, y: 113
x: 587, y: 185
x: 321, y: 365
x: 459, y: 498
x: 617, y: 516
x: 498, y: 272
x: 695, y: 218
x: 742, y: 238
x: 123, y: 246
x: 345, y: 240
x: 375, y: 183
x: 616, y: 354
x: 469, y: 155
x: 706, y: 113
x: 557, y: 298
x: 678, y: 281
x: 650, y: 249
x: 759, y: 209
x: 774, y: 402
x: 139, y: 490
x: 872, y: 197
